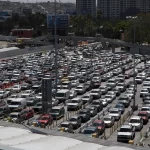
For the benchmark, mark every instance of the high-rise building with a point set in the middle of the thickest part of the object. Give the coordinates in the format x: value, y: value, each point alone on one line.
x: 109, y: 8
x: 121, y: 8
x: 84, y: 7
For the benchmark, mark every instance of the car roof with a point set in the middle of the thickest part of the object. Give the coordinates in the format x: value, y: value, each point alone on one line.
x: 98, y: 121
x: 126, y: 126
x: 57, y: 107
x: 14, y: 113
x: 90, y: 128
x: 63, y: 90
x: 114, y: 109
x: 135, y: 117
x: 65, y: 122
x: 143, y: 112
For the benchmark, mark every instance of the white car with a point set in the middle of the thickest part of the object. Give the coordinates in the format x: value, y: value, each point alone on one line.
x: 3, y: 94
x: 137, y: 122
x: 116, y: 113
x: 16, y: 88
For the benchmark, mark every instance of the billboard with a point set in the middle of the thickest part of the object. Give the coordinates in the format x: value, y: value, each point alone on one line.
x: 62, y: 21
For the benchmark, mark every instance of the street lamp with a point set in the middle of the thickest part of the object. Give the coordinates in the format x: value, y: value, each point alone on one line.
x: 56, y: 72
x: 134, y: 106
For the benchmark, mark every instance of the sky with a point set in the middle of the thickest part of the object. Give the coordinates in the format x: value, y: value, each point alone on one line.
x: 73, y: 1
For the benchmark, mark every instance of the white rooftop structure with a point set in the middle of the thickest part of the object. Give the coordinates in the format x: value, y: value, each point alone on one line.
x: 12, y: 138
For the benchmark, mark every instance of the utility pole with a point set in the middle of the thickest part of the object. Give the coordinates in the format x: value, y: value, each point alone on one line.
x: 55, y: 35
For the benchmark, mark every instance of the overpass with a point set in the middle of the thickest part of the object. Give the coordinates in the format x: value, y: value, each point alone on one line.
x: 132, y: 48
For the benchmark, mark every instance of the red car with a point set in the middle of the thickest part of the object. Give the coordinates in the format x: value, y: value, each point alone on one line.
x: 100, y: 125
x: 144, y: 116
x: 45, y: 119
x: 27, y: 114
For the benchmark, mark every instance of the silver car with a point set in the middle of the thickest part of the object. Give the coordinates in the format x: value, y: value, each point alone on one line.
x: 116, y: 113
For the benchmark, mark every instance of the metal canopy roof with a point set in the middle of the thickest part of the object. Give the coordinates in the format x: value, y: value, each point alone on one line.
x: 17, y: 137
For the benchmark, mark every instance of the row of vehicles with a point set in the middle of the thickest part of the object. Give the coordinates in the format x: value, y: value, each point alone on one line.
x: 127, y: 132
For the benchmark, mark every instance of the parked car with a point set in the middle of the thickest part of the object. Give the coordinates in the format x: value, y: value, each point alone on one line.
x: 109, y: 121
x: 75, y: 121
x: 100, y: 125
x: 66, y: 127
x: 45, y: 120
x: 126, y: 133
x: 91, y: 132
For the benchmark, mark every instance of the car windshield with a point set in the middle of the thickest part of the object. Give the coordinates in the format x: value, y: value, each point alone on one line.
x: 120, y: 84
x: 85, y: 96
x: 118, y: 106
x: 145, y: 109
x: 108, y: 96
x: 55, y: 110
x: 16, y: 87
x: 138, y: 77
x: 142, y: 115
x: 39, y: 104
x: 13, y: 96
x: 88, y: 131
x: 93, y: 91
x: 134, y: 121
x: 95, y: 124
x: 95, y: 103
x: 123, y: 98
x: 15, y: 103
x: 107, y: 119
x: 125, y: 130
x: 73, y: 119
x: 1, y: 92
x: 43, y: 118
x: 113, y: 112
x: 64, y: 125
x: 74, y: 101
x: 13, y: 115
x: 81, y: 112
x: 60, y: 94
x: 79, y: 87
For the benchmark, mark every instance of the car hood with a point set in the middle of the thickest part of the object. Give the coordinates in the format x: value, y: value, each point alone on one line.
x: 73, y: 122
x: 13, y: 106
x: 112, y: 114
x: 43, y: 121
x: 85, y: 99
x: 82, y: 115
x: 134, y: 124
x: 94, y: 93
x: 37, y: 106
x: 124, y: 133
x: 107, y: 121
x: 72, y: 104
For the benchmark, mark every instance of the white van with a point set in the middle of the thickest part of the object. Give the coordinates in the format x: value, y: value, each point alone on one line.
x: 17, y: 104
x: 62, y: 95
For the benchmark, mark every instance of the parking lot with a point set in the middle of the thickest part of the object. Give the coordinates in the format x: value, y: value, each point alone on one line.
x: 95, y: 92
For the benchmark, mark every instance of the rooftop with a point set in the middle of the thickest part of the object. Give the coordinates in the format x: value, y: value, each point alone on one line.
x: 18, y: 137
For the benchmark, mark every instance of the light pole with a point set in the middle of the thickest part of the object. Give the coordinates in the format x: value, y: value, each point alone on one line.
x: 101, y: 28
x: 55, y: 32
x: 134, y: 107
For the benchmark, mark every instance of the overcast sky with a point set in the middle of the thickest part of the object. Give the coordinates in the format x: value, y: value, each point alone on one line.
x: 43, y: 0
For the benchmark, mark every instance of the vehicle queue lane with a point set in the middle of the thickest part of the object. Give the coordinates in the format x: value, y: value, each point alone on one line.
x: 113, y: 137
x: 107, y: 132
x: 71, y: 113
